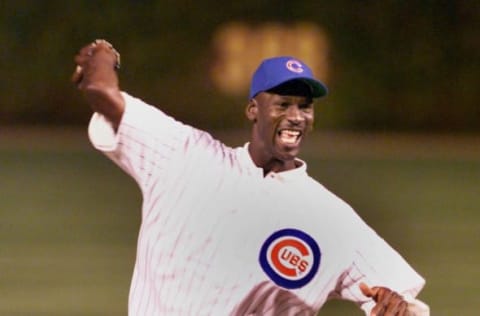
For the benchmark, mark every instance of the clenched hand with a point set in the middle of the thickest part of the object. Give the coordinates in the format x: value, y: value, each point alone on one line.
x: 389, y: 303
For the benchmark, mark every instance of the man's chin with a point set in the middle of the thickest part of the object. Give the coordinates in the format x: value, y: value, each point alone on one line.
x: 287, y: 152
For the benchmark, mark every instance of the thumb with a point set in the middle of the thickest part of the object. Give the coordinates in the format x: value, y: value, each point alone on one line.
x: 367, y: 291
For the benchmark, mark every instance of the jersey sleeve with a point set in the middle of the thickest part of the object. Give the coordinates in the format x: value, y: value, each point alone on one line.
x: 145, y: 142
x: 376, y: 263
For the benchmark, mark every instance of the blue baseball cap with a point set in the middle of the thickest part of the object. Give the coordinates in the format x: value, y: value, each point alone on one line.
x: 274, y: 71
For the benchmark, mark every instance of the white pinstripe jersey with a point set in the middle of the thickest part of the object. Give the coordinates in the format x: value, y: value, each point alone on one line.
x: 218, y: 238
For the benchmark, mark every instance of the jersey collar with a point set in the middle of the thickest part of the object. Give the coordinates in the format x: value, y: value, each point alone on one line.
x: 247, y: 163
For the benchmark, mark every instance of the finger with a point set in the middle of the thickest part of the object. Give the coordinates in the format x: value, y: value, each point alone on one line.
x: 87, y: 50
x: 388, y: 309
x: 381, y: 293
x: 103, y: 44
x: 378, y: 310
x: 375, y: 292
x: 77, y: 75
x: 392, y: 304
x: 395, y: 305
x: 84, y: 55
x: 403, y: 309
x: 366, y: 290
x: 397, y: 309
x: 383, y: 305
x: 91, y: 49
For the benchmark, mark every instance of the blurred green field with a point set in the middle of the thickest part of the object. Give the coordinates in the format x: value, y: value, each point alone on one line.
x: 69, y: 218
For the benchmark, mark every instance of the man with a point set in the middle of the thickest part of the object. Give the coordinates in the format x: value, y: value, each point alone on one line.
x: 239, y: 231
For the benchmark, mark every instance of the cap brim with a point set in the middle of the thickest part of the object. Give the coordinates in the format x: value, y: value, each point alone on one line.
x: 318, y: 89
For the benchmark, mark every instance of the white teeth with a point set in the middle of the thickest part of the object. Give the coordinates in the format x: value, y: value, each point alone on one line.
x: 293, y: 133
x: 289, y: 136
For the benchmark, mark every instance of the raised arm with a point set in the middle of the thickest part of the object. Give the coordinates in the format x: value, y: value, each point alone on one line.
x: 96, y: 77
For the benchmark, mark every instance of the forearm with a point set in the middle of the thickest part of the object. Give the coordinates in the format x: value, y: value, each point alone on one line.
x: 96, y: 77
x: 107, y: 101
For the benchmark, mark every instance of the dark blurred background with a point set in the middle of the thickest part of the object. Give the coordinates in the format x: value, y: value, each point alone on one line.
x: 393, y: 65
x: 397, y: 137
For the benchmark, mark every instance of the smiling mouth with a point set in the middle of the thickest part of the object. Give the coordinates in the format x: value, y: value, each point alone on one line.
x: 289, y: 136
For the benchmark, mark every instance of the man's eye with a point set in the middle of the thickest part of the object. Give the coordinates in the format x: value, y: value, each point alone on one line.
x: 306, y: 106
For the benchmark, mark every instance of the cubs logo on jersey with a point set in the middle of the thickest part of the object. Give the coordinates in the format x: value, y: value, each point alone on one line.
x: 290, y: 257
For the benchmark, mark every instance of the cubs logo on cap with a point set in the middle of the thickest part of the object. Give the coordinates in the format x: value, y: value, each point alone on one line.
x: 290, y: 257
x: 294, y: 65
x: 275, y: 71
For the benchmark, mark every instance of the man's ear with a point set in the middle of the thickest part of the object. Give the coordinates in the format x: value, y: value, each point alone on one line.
x: 251, y: 110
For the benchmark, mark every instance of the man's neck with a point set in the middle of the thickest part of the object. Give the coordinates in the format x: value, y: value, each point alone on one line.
x: 270, y: 164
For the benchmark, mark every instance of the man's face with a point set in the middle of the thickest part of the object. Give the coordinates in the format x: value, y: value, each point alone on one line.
x: 281, y: 123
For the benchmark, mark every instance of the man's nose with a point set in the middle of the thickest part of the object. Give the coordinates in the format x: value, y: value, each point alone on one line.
x: 294, y: 114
